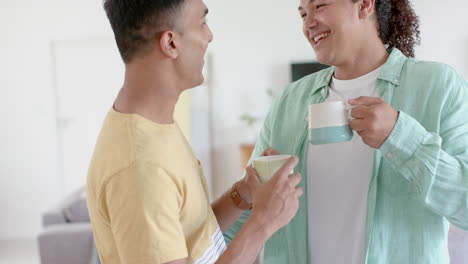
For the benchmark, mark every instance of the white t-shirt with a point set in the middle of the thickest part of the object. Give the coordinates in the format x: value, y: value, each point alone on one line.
x: 338, y: 177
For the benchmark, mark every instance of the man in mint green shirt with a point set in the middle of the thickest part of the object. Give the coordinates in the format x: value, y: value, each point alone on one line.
x: 388, y: 195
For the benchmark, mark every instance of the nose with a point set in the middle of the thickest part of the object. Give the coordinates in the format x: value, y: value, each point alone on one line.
x: 310, y: 21
x: 210, y: 35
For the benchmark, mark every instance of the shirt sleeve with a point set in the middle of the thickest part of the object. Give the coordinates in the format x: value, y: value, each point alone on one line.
x: 143, y: 205
x: 437, y: 163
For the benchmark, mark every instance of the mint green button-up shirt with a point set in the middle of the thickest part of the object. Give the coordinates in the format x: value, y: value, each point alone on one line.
x: 419, y: 181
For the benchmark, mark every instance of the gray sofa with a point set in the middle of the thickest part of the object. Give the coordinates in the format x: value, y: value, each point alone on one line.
x: 67, y: 236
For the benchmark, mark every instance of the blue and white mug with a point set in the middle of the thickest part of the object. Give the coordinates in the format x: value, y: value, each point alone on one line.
x: 329, y: 123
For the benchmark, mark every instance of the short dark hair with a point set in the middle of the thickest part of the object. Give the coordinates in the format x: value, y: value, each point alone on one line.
x: 136, y: 23
x: 398, y: 25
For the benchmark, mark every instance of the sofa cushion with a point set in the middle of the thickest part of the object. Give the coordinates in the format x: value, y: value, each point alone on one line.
x: 70, y: 243
x: 75, y: 208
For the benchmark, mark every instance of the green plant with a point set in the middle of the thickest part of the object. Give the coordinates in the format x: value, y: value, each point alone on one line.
x: 249, y: 119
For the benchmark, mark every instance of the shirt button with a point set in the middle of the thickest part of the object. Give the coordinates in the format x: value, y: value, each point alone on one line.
x: 390, y: 155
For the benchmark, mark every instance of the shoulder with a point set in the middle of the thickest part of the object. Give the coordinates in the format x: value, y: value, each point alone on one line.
x: 433, y: 79
x: 431, y: 70
x: 142, y: 172
x: 142, y: 180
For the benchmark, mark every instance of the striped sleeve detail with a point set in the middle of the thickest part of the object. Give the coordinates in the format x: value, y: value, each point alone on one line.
x: 214, y: 251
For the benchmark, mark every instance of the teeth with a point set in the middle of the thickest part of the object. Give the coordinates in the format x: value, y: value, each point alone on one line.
x: 320, y: 36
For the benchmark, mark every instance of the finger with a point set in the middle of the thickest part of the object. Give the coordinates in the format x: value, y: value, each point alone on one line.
x: 270, y: 151
x: 252, y: 178
x: 364, y: 134
x: 295, y: 179
x: 360, y: 111
x: 299, y: 192
x: 366, y: 100
x: 287, y: 167
x: 358, y: 125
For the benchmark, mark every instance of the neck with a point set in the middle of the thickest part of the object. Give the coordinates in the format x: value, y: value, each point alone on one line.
x: 367, y: 59
x: 149, y: 90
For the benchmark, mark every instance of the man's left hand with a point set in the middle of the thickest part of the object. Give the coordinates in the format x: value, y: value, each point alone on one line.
x: 374, y: 119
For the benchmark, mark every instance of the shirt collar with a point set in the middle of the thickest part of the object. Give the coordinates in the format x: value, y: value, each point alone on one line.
x: 391, y: 71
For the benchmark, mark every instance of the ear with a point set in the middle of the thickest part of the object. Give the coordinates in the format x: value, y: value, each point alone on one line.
x: 168, y: 44
x: 366, y: 8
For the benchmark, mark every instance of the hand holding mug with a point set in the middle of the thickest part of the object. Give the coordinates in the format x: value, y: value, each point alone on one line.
x: 243, y: 185
x: 373, y: 119
x: 276, y: 202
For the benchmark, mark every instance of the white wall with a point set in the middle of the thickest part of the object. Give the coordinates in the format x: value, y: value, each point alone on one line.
x: 254, y: 43
x: 30, y: 182
x: 444, y: 33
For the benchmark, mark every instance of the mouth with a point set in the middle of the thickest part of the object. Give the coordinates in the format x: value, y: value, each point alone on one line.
x: 319, y: 37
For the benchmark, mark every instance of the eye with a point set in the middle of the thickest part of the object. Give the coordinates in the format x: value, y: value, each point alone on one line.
x: 320, y: 6
x: 303, y: 15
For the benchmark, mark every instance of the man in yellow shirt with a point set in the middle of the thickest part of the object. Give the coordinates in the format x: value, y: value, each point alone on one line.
x: 147, y: 195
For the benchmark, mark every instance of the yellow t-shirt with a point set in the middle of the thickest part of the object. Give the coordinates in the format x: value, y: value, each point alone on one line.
x: 147, y: 196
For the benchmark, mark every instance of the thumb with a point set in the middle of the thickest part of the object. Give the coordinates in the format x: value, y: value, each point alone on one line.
x: 252, y: 178
x: 270, y: 151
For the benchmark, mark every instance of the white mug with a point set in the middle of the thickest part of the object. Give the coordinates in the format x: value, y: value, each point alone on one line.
x: 329, y: 123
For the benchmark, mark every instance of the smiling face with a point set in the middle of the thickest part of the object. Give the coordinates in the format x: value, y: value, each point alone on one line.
x: 333, y: 29
x: 194, y: 39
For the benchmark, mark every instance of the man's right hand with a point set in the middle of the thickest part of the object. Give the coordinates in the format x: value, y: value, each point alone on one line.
x: 275, y: 202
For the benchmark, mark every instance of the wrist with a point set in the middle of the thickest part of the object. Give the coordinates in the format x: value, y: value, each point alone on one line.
x: 262, y: 224
x: 237, y: 198
x: 244, y: 191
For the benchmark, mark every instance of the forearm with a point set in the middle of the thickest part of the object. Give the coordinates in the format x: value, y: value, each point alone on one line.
x: 247, y: 244
x: 446, y: 190
x: 440, y: 177
x: 226, y: 211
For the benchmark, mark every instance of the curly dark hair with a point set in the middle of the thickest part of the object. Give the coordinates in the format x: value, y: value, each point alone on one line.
x: 136, y: 23
x: 398, y: 25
